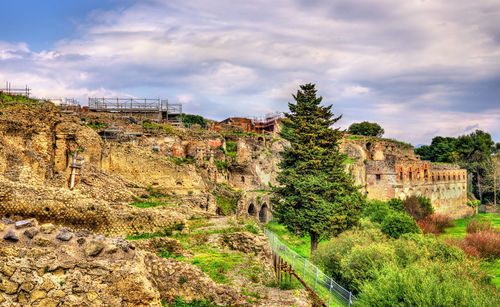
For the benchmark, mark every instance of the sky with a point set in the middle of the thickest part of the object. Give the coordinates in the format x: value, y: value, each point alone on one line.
x: 418, y: 68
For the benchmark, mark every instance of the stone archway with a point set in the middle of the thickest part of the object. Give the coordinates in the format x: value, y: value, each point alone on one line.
x: 264, y: 213
x: 251, y: 210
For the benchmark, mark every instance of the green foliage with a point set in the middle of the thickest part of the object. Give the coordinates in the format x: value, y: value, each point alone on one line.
x: 472, y: 151
x: 18, y: 100
x: 154, y: 192
x: 191, y: 119
x: 396, y: 204
x: 231, y: 149
x: 221, y: 165
x: 376, y: 210
x: 366, y: 128
x: 96, y: 125
x: 252, y: 228
x: 418, y: 207
x: 363, y: 263
x: 315, y: 197
x: 398, y: 223
x: 330, y: 254
x: 139, y: 203
x: 149, y: 125
x: 428, y: 284
x: 217, y: 264
x: 179, y: 302
x: 227, y: 204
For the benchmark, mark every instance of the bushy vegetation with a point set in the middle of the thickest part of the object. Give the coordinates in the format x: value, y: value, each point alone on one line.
x: 435, y: 223
x: 428, y: 283
x: 191, y: 119
x: 418, y: 207
x: 150, y: 125
x: 473, y: 152
x: 484, y: 244
x: 18, y: 100
x: 397, y: 223
x: 414, y: 270
x: 366, y: 128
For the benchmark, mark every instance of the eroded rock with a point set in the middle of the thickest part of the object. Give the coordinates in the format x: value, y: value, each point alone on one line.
x: 11, y: 236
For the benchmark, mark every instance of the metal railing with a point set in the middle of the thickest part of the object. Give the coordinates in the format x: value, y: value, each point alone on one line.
x: 325, y: 287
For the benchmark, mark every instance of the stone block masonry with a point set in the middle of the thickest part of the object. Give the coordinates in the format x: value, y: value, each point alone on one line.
x: 387, y: 169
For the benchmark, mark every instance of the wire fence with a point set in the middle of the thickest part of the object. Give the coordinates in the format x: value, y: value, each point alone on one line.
x: 325, y: 287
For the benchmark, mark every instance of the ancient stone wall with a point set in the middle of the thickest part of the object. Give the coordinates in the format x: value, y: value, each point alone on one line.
x: 388, y: 170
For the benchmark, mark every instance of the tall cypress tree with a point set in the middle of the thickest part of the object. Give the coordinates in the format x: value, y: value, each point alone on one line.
x: 316, y: 197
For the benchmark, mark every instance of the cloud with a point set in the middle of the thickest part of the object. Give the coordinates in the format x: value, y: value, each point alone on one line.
x: 416, y: 67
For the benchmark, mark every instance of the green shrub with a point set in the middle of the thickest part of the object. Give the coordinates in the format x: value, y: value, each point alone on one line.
x: 329, y: 255
x: 428, y: 284
x: 363, y: 262
x: 412, y: 247
x: 398, y: 223
x: 376, y: 210
x: 396, y: 204
x: 418, y: 207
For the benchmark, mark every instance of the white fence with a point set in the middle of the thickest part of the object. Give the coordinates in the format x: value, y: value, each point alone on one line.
x: 327, y: 289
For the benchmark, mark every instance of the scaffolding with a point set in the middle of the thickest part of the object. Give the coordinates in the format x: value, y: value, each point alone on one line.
x: 16, y: 91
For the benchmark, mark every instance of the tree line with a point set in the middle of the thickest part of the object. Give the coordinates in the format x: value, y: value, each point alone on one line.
x: 475, y: 152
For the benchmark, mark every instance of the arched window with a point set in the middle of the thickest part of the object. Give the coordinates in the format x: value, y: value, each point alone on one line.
x: 410, y: 173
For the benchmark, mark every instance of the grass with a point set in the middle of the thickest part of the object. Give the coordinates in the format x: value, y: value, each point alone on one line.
x: 149, y: 125
x: 301, y: 245
x: 148, y: 203
x: 303, y: 268
x: 458, y: 231
x: 18, y: 100
x: 215, y: 263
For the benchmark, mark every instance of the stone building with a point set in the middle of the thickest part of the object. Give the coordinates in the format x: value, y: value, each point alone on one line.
x: 388, y: 169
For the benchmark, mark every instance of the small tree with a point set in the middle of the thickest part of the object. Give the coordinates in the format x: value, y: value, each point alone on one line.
x: 316, y: 197
x: 366, y: 128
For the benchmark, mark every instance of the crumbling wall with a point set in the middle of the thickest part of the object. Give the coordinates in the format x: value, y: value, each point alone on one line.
x: 390, y: 170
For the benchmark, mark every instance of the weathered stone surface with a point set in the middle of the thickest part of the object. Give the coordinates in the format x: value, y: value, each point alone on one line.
x: 7, y: 221
x: 47, y: 285
x: 2, y: 299
x: 64, y: 235
x: 11, y: 236
x: 7, y: 270
x: 21, y: 298
x: 24, y: 224
x: 82, y: 233
x: 43, y: 242
x: 48, y: 302
x: 27, y: 286
x: 2, y: 226
x: 94, y: 248
x: 59, y: 293
x: 80, y: 241
x: 47, y: 228
x: 111, y: 249
x: 37, y: 294
x: 8, y: 286
x: 31, y: 232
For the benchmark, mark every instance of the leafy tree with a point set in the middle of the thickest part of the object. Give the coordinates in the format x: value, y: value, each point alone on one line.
x: 191, y: 119
x: 366, y: 128
x: 316, y: 197
x: 472, y: 151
